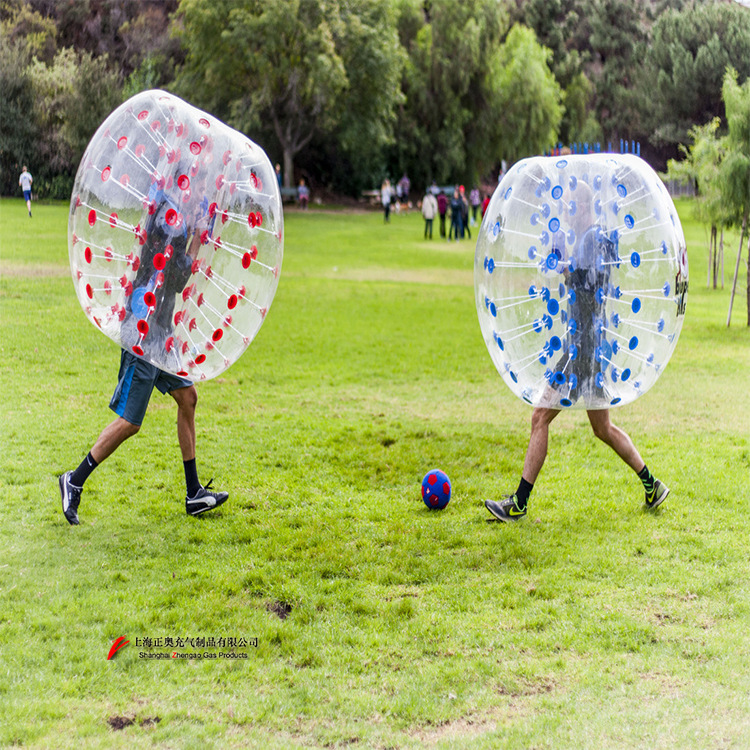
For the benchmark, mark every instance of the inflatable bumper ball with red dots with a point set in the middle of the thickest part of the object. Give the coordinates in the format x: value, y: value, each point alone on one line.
x: 175, y: 235
x: 436, y: 489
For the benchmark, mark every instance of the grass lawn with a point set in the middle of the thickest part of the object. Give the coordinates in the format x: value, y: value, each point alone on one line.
x: 591, y: 624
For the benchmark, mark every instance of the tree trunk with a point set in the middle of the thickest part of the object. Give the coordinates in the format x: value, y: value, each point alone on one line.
x: 721, y: 257
x: 288, y: 167
x: 711, y: 256
x: 747, y: 293
x: 737, y: 269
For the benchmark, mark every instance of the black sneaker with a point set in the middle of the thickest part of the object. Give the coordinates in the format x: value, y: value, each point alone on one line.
x: 657, y: 496
x: 204, y: 500
x: 71, y: 497
x: 506, y: 510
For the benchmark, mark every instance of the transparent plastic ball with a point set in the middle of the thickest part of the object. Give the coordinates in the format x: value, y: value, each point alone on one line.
x: 581, y: 279
x: 175, y: 235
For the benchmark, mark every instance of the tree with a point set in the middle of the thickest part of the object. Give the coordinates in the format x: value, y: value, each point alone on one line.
x: 700, y: 166
x: 18, y: 132
x: 616, y: 35
x: 525, y: 97
x: 735, y: 167
x: 444, y: 121
x: 686, y: 61
x: 291, y: 65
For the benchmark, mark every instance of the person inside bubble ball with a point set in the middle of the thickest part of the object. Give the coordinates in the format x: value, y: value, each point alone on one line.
x: 586, y: 270
x: 168, y: 234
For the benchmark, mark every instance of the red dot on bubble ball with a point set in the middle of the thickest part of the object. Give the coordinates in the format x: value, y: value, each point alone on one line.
x: 232, y: 302
x: 137, y: 350
x: 200, y: 359
x: 182, y: 373
x: 247, y: 259
x: 89, y: 291
x: 206, y: 124
x: 183, y: 182
x: 92, y: 217
x: 159, y: 261
x: 150, y: 299
x: 217, y: 334
x: 171, y: 217
x: 122, y: 142
x: 88, y: 255
x: 143, y: 115
x: 142, y: 327
x: 219, y: 181
x: 195, y: 148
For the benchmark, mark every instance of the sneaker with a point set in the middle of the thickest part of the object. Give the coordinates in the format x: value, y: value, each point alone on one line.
x: 71, y: 497
x: 204, y: 500
x: 657, y: 496
x: 506, y: 510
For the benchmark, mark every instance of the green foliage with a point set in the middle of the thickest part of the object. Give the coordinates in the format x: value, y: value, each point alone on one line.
x: 700, y: 165
x: 18, y: 128
x: 735, y: 168
x: 686, y: 61
x: 590, y: 624
x: 314, y: 66
x: 526, y: 98
x: 72, y: 96
x: 445, y: 124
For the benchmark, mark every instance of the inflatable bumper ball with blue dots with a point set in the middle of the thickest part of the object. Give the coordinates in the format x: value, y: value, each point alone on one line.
x: 581, y: 280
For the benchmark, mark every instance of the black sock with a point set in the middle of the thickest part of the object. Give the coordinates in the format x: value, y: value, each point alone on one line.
x: 522, y: 493
x: 82, y: 473
x: 191, y: 478
x: 647, y: 478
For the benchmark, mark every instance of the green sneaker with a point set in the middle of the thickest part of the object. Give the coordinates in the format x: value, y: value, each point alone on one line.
x: 657, y: 496
x: 505, y: 510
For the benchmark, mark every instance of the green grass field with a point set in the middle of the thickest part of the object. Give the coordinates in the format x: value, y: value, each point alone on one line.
x: 591, y: 624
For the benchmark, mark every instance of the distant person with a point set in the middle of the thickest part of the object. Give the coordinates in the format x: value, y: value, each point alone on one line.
x: 429, y: 209
x: 25, y: 181
x: 404, y: 185
x: 442, y: 203
x: 386, y: 198
x: 303, y: 195
x: 457, y: 209
x: 434, y: 189
x: 464, y: 212
x: 277, y: 169
x: 475, y: 200
x: 485, y: 203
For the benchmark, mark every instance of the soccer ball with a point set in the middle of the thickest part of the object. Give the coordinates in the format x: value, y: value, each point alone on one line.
x: 436, y: 489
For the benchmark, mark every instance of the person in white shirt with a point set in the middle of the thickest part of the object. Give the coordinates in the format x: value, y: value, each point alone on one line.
x: 25, y: 181
x: 429, y: 211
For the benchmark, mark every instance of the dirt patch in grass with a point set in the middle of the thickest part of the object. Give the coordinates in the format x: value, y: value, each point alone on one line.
x: 35, y: 271
x: 122, y: 722
x: 282, y: 610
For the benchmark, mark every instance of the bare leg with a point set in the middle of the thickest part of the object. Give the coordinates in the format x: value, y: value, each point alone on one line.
x: 537, y: 449
x: 186, y: 399
x: 615, y: 438
x: 112, y: 437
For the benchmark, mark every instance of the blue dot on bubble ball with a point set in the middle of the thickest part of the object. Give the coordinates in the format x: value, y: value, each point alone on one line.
x: 436, y: 489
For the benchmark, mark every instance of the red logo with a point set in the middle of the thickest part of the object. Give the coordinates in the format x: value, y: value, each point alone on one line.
x: 116, y: 646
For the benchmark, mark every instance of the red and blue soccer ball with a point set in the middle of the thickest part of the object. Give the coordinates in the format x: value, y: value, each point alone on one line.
x: 436, y: 489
